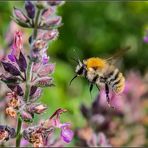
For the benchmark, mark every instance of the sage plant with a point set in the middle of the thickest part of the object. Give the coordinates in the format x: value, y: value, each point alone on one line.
x: 26, y: 75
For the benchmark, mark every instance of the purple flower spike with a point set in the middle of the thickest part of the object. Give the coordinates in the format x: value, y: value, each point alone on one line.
x: 67, y: 134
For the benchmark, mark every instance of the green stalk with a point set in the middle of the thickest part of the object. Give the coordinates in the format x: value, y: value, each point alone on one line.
x: 27, y: 90
x: 36, y: 24
x: 18, y: 134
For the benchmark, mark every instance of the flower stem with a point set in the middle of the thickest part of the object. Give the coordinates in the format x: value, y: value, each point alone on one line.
x: 36, y: 24
x: 27, y: 90
x: 18, y: 134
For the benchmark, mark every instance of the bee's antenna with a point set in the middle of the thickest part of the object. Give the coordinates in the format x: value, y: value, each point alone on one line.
x: 75, y: 60
x: 78, y: 59
x: 72, y: 79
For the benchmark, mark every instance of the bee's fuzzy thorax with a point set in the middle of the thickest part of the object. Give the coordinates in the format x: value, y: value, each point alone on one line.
x: 95, y: 63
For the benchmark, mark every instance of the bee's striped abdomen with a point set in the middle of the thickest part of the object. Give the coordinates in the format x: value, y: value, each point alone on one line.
x: 116, y: 81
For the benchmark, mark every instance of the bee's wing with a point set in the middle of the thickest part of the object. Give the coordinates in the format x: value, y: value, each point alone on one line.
x: 118, y: 54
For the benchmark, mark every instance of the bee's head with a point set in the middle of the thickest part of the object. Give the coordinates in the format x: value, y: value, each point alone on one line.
x: 80, y: 70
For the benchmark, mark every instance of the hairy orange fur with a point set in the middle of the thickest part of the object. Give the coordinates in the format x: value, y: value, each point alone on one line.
x: 95, y: 63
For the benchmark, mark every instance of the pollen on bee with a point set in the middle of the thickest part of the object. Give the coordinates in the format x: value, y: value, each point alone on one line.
x: 95, y: 63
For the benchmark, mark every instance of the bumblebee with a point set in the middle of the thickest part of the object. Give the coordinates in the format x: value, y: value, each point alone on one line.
x: 100, y: 71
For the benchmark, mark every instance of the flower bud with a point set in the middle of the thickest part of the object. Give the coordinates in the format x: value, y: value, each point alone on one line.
x: 54, y: 21
x: 36, y: 67
x: 37, y: 108
x: 50, y: 35
x: 44, y: 82
x: 22, y: 63
x: 27, y: 117
x: 46, y: 69
x: 20, y: 15
x: 48, y: 12
x: 10, y: 68
x: 33, y: 90
x: 11, y: 112
x: 36, y: 95
x: 30, y: 9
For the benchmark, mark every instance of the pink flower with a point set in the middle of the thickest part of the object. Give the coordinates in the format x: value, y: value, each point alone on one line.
x: 66, y: 133
x: 16, y: 47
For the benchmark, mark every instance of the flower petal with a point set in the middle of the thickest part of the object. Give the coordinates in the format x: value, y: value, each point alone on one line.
x: 30, y: 9
x: 67, y: 134
x: 22, y: 63
x: 11, y: 68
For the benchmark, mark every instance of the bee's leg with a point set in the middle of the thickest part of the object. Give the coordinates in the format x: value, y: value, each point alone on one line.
x: 107, y: 93
x: 98, y: 87
x: 90, y: 88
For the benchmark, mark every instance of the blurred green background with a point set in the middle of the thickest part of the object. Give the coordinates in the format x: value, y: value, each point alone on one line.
x: 91, y: 29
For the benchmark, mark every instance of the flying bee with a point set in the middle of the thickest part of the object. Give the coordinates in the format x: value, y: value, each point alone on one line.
x: 100, y: 71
